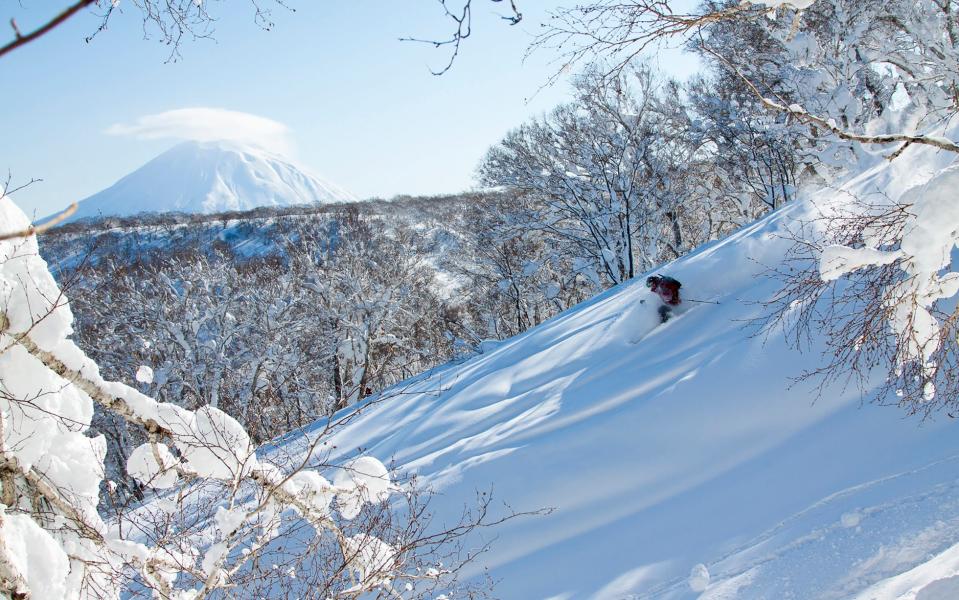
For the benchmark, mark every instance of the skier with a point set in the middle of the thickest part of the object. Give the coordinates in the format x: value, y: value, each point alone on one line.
x: 667, y: 289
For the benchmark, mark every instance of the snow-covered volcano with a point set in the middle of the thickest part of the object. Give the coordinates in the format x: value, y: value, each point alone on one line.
x: 211, y: 177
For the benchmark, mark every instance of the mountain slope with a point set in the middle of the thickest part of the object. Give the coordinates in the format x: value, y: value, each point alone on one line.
x: 210, y: 177
x: 662, y: 447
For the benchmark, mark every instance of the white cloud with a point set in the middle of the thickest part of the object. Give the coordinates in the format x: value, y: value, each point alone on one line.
x: 207, y: 125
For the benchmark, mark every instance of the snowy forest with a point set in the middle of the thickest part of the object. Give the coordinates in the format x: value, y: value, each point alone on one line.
x: 312, y: 401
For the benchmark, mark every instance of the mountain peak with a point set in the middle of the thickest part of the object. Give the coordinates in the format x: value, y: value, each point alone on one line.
x: 209, y: 177
x: 224, y: 147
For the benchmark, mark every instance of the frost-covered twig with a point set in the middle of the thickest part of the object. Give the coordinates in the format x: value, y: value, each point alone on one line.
x: 42, y: 487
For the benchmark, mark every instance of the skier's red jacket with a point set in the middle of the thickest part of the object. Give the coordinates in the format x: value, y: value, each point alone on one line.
x: 666, y: 287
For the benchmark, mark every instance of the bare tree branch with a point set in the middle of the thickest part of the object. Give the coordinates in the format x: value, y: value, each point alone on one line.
x: 463, y: 21
x: 620, y: 32
x: 37, y: 229
x: 20, y: 40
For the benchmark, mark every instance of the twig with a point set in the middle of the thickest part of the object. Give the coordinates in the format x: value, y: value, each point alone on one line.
x: 464, y: 29
x: 20, y: 39
x: 37, y: 229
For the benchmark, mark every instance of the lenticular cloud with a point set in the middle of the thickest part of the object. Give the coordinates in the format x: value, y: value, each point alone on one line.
x: 209, y: 124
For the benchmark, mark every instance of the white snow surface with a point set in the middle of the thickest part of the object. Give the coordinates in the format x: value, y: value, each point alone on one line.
x: 211, y: 177
x: 36, y: 555
x: 153, y: 467
x: 144, y: 374
x: 666, y: 448
x: 699, y: 578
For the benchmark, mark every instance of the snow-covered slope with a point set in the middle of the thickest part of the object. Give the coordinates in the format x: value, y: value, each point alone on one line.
x: 665, y: 447
x: 210, y: 177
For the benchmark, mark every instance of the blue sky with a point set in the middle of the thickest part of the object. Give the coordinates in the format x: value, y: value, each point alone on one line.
x: 360, y: 107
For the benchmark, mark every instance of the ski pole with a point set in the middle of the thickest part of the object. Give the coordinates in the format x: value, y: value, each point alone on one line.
x: 700, y: 301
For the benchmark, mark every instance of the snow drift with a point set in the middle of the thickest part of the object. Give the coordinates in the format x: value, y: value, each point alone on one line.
x: 211, y: 177
x: 683, y: 460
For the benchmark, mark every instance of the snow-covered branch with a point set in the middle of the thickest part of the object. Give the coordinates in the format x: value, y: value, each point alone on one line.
x: 804, y: 116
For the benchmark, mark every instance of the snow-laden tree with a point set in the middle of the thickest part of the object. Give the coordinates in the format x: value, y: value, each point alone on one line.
x: 516, y: 278
x: 212, y: 330
x: 873, y: 272
x: 332, y: 309
x: 610, y: 172
x: 226, y: 518
x: 755, y: 159
x: 376, y: 296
